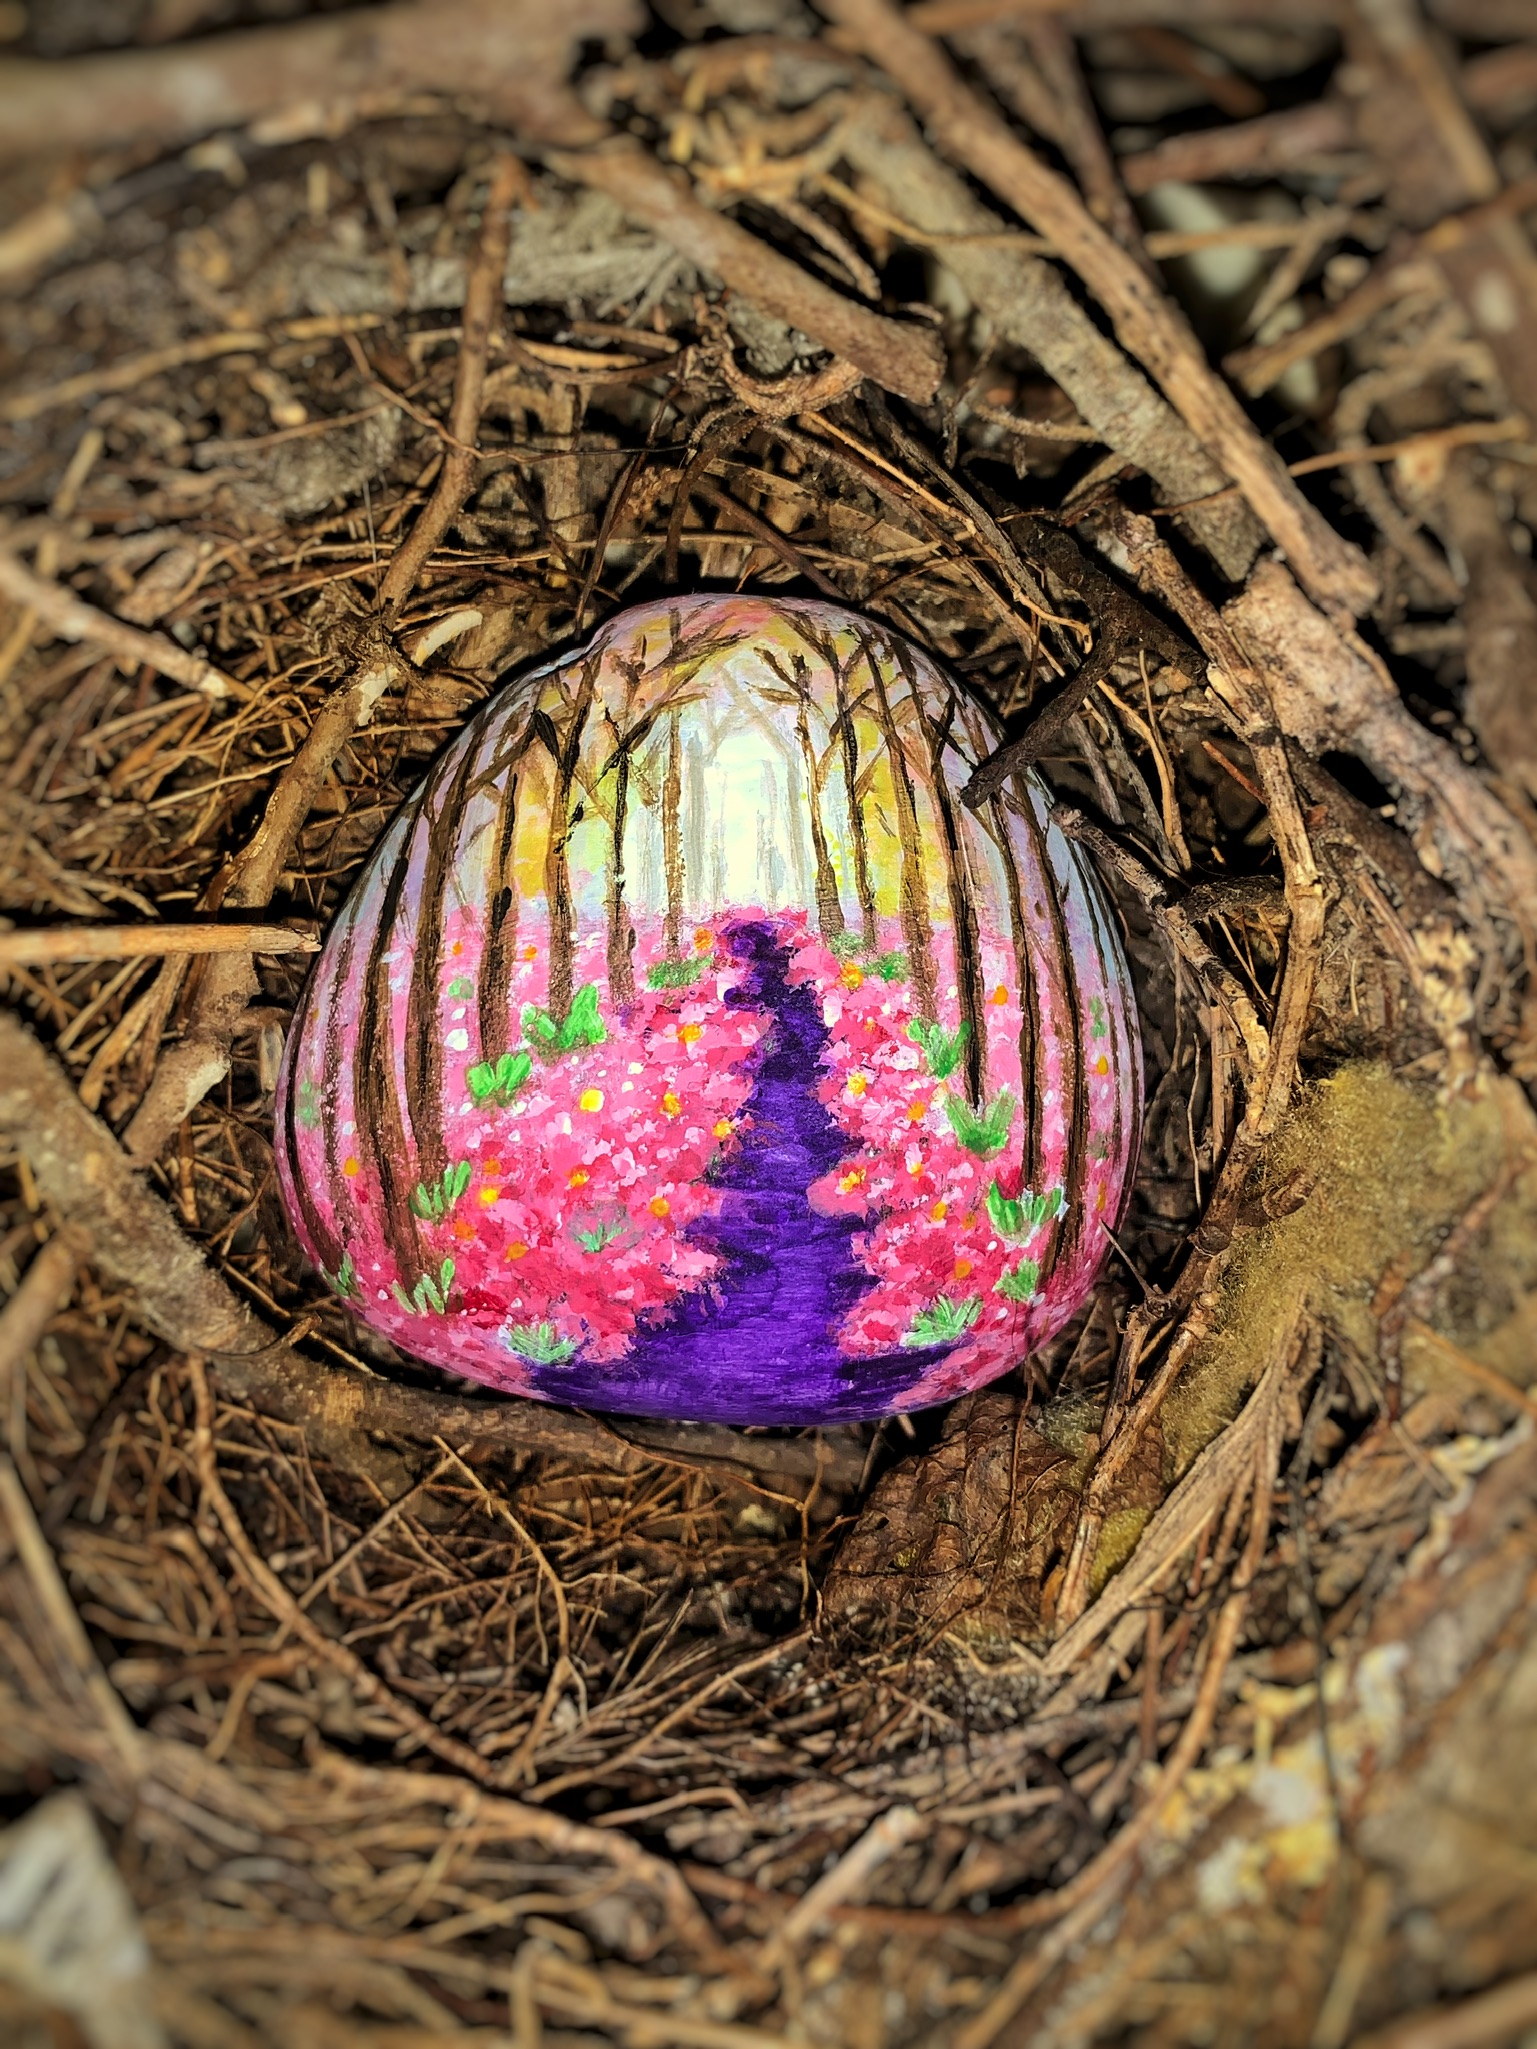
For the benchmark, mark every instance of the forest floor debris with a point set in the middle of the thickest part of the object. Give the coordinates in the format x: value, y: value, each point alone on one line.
x: 1170, y: 374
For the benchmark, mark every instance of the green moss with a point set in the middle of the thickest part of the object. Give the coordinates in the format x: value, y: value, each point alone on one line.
x: 1117, y: 1541
x: 1392, y: 1167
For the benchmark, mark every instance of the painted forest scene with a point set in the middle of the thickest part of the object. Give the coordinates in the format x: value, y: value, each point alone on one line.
x: 687, y: 1048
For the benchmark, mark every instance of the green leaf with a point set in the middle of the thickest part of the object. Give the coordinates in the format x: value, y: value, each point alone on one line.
x: 944, y: 1321
x: 1008, y: 1215
x: 844, y: 945
x: 941, y: 1049
x: 593, y: 1238
x: 983, y: 1134
x: 307, y: 1109
x: 460, y: 988
x: 539, y: 1028
x: 677, y: 974
x: 1099, y: 1024
x: 498, y: 1084
x: 1018, y: 1218
x: 1020, y: 1283
x: 428, y: 1294
x: 891, y: 967
x: 583, y: 1026
x: 540, y: 1343
x: 345, y: 1279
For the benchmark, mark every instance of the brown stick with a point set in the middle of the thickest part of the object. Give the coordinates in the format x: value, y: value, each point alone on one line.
x: 1147, y: 322
x: 69, y: 1642
x: 186, y: 1074
x: 1331, y: 692
x: 1258, y: 367
x: 1273, y: 143
x: 44, y: 1288
x: 482, y: 299
x: 81, y: 1169
x: 514, y: 53
x: 128, y: 371
x: 70, y: 618
x: 1092, y: 1888
x: 1493, y: 2016
x: 1028, y: 301
x: 144, y: 942
x: 1177, y: 922
x: 1262, y: 148
x: 905, y: 359
x: 1501, y: 618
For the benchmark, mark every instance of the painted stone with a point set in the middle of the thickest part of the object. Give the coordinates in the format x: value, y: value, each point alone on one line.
x: 686, y: 1048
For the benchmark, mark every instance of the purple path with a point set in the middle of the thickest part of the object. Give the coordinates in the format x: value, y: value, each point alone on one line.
x: 761, y: 1348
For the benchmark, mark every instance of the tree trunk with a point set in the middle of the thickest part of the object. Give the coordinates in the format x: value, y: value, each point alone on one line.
x: 672, y: 837
x: 963, y: 911
x: 424, y: 1041
x: 621, y: 936
x: 557, y: 870
x: 862, y: 886
x: 494, y: 989
x: 829, y: 909
x: 914, y: 893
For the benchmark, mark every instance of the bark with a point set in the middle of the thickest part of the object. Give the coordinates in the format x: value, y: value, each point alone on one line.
x: 514, y: 53
x: 903, y: 359
x: 1149, y: 325
x: 1501, y: 618
x: 1413, y: 117
x: 1028, y: 302
x: 1331, y: 694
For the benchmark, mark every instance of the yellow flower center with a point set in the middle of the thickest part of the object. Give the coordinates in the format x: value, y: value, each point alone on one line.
x: 916, y: 1112
x: 590, y: 1100
x: 659, y: 1205
x: 852, y: 976
x: 515, y: 1250
x: 579, y: 1177
x: 490, y: 1193
x: 690, y: 1032
x: 351, y: 1166
x: 671, y: 1104
x: 858, y: 1083
x: 939, y: 1212
x: 723, y: 1129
